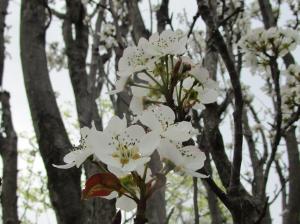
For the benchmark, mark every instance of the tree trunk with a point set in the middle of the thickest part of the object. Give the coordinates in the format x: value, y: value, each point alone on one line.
x: 97, y: 210
x: 293, y: 215
x: 8, y: 139
x: 63, y: 185
x: 8, y: 151
x: 3, y: 12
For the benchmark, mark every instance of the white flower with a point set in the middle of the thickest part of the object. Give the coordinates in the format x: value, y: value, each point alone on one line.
x: 126, y: 148
x: 134, y: 59
x: 90, y: 143
x: 208, y: 90
x: 168, y: 42
x: 188, y: 159
x: 161, y: 119
x: 260, y: 44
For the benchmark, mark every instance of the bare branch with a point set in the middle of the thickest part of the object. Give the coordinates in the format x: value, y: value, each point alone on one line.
x: 219, y: 43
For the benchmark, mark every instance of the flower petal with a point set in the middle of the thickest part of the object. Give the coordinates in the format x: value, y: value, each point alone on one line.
x: 149, y: 119
x: 208, y: 96
x: 65, y: 166
x: 200, y: 73
x: 149, y: 142
x: 135, y: 164
x: 136, y: 105
x: 116, y: 125
x: 131, y: 135
x: 126, y: 204
x: 181, y: 131
x: 192, y: 157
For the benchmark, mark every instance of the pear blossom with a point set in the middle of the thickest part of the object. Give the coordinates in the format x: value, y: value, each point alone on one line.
x: 260, y: 44
x: 208, y: 90
x: 107, y: 35
x: 168, y: 42
x: 161, y: 119
x: 126, y: 148
x: 89, y: 144
x: 187, y: 159
x: 134, y: 59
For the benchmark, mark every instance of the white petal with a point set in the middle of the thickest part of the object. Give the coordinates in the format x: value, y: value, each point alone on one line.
x: 181, y: 131
x: 136, y: 105
x: 135, y: 164
x: 82, y: 157
x: 149, y: 119
x: 117, y: 172
x: 76, y: 157
x: 195, y: 174
x: 91, y: 137
x: 138, y: 91
x: 116, y: 125
x: 109, y: 160
x: 149, y: 142
x: 165, y: 113
x: 168, y: 150
x: 193, y: 158
x: 208, y: 96
x: 126, y: 204
x: 132, y: 134
x: 65, y: 166
x: 188, y: 83
x: 200, y: 73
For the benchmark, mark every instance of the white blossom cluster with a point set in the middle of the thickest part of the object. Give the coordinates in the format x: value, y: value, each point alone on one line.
x: 160, y: 66
x: 158, y: 72
x: 107, y: 35
x: 291, y: 91
x: 260, y: 46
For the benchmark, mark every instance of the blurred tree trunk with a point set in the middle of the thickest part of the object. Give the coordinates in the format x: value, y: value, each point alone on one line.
x: 293, y: 206
x: 8, y: 139
x: 8, y: 151
x: 3, y: 12
x: 97, y: 210
x: 63, y: 185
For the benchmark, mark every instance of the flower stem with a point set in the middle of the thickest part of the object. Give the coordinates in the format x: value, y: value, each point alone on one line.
x: 141, y: 212
x: 142, y: 203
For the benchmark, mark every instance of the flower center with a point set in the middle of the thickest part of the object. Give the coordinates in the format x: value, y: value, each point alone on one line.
x: 124, y: 153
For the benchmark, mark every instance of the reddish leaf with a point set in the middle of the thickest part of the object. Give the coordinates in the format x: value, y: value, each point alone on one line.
x: 101, y: 184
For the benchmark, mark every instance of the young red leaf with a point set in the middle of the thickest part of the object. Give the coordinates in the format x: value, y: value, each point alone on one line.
x: 101, y: 184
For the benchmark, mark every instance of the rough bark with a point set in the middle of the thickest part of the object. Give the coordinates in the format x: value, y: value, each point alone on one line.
x: 64, y: 185
x: 8, y: 151
x: 293, y: 206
